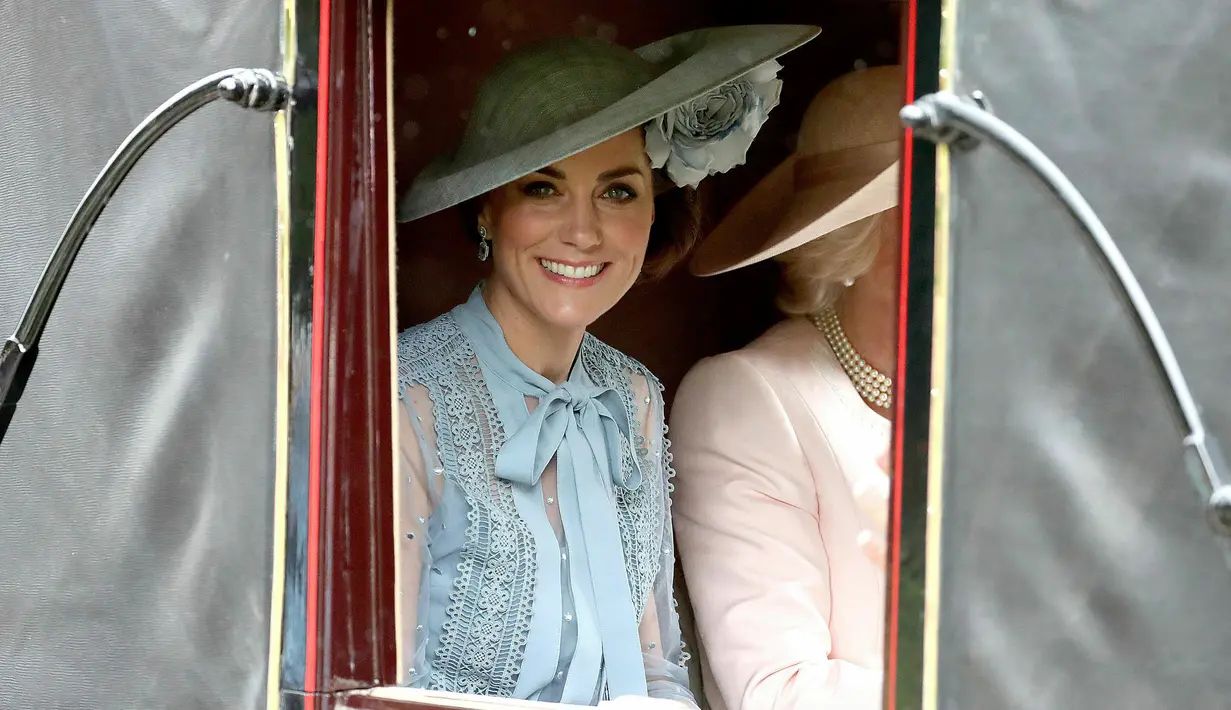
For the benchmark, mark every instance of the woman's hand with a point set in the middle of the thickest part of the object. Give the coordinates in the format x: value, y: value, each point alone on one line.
x: 873, y: 499
x: 637, y: 702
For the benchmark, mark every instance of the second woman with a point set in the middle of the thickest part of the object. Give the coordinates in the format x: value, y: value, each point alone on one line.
x: 782, y: 499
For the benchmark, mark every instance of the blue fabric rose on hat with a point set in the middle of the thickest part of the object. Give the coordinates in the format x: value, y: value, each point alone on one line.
x: 712, y: 133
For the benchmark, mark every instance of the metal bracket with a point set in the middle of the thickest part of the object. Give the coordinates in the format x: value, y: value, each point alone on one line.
x: 255, y: 89
x: 1220, y: 510
x: 931, y: 119
x: 963, y: 122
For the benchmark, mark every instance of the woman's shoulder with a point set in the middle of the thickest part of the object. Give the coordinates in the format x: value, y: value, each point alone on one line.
x: 422, y: 346
x: 783, y: 350
x: 789, y: 341
x: 605, y: 362
x: 789, y: 368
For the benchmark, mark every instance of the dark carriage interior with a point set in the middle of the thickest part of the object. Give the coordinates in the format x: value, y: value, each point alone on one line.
x: 441, y: 52
x: 437, y: 68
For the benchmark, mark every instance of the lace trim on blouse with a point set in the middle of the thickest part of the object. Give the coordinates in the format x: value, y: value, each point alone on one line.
x: 482, y: 644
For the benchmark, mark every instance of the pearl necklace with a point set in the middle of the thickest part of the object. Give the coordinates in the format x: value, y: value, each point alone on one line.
x: 873, y: 385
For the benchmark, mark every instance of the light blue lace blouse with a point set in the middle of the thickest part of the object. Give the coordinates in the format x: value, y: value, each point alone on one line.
x: 536, y: 554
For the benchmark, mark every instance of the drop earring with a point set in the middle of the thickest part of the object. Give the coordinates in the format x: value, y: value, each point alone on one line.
x: 485, y: 248
x: 848, y: 283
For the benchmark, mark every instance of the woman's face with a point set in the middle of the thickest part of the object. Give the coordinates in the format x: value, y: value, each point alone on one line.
x: 569, y: 240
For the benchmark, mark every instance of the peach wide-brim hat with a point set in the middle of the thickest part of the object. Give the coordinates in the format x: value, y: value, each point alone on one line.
x: 844, y: 169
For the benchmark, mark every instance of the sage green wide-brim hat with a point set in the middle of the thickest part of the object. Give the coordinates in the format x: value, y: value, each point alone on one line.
x: 558, y: 97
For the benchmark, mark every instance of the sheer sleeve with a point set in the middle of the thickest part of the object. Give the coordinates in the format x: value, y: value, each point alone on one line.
x: 419, y: 491
x: 662, y: 647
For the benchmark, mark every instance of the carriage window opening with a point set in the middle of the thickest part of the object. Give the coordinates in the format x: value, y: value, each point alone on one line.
x: 800, y: 276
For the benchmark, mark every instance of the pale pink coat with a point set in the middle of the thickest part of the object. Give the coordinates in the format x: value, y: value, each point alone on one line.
x: 770, y: 441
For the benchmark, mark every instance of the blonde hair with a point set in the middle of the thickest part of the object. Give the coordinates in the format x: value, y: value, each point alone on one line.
x: 815, y: 273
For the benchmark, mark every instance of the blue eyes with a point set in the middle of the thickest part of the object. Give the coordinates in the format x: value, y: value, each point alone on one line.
x: 543, y: 189
x: 620, y: 193
x: 539, y: 189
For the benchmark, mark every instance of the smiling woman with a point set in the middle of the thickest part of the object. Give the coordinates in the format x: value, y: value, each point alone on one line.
x: 675, y: 216
x: 568, y: 241
x: 537, y: 555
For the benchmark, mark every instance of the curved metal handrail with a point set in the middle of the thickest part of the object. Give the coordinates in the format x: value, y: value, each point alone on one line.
x: 255, y: 89
x: 944, y: 117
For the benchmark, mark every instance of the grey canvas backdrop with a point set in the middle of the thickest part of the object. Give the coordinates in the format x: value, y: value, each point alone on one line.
x: 1078, y: 572
x: 136, y: 481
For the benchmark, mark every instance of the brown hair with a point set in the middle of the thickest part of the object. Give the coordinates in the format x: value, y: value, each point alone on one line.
x: 676, y: 228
